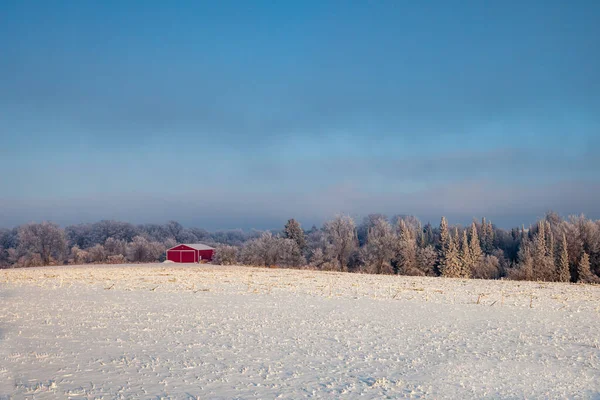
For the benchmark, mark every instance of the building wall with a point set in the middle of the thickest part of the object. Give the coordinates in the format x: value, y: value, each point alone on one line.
x: 184, y: 253
x: 206, y: 254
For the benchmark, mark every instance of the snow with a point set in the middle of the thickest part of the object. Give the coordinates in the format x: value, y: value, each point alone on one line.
x: 168, y: 331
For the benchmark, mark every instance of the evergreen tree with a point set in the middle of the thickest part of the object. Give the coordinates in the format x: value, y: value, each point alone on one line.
x: 487, y: 237
x: 429, y: 235
x: 452, y: 264
x: 406, y: 259
x: 294, y: 231
x: 525, y: 258
x: 421, y: 239
x: 483, y: 234
x: 444, y: 245
x: 563, y: 273
x: 584, y: 274
x: 549, y: 241
x: 465, y: 256
x: 476, y: 253
x: 540, y: 255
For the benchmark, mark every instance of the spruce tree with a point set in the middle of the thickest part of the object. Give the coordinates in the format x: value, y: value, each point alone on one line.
x: 490, y: 238
x: 406, y: 259
x: 483, y: 234
x: 549, y: 241
x: 476, y: 253
x: 540, y: 260
x: 429, y: 237
x: 465, y: 256
x: 294, y: 231
x: 562, y: 266
x: 525, y: 260
x: 584, y: 274
x: 444, y: 245
x: 420, y: 238
x: 452, y: 267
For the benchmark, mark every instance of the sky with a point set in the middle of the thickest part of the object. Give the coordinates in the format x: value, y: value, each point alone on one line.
x: 235, y: 114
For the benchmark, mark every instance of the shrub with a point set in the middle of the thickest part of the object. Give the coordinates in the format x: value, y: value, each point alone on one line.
x: 116, y: 259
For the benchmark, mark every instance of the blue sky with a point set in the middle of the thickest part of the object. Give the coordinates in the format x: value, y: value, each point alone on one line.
x: 243, y: 114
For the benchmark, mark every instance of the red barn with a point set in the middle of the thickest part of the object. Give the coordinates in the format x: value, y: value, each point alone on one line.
x: 190, y: 253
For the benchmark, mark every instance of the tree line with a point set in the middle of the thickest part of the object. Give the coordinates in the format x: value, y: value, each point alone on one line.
x: 554, y: 249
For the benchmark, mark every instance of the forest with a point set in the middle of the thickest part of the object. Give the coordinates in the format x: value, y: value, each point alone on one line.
x: 553, y: 249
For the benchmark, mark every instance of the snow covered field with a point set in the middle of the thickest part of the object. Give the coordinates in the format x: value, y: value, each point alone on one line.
x: 168, y: 331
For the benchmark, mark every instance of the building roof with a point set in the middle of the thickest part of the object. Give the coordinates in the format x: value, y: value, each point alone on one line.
x: 195, y: 246
x: 199, y: 246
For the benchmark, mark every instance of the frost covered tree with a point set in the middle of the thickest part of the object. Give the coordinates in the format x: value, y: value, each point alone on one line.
x: 563, y: 272
x: 426, y: 260
x: 487, y: 238
x: 549, y: 241
x: 269, y: 250
x: 524, y: 270
x: 584, y: 273
x: 543, y: 264
x: 444, y: 245
x: 142, y: 250
x: 429, y: 235
x: 379, y: 248
x: 79, y: 256
x: 225, y: 255
x: 289, y: 253
x: 451, y: 261
x: 340, y: 233
x: 261, y: 251
x: 406, y: 259
x: 466, y: 259
x: 115, y: 247
x: 97, y: 253
x: 317, y: 258
x: 45, y: 241
x: 362, y: 231
x: 294, y: 231
x: 489, y: 268
x: 474, y: 246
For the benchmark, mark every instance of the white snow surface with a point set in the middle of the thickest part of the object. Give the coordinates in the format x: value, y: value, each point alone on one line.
x: 212, y: 332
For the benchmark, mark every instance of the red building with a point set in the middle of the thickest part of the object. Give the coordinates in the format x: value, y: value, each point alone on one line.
x: 190, y: 253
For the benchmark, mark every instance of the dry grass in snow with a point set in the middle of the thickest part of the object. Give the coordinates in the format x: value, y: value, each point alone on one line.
x: 167, y: 331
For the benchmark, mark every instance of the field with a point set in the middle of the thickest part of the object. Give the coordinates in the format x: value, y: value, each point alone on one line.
x: 209, y: 332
